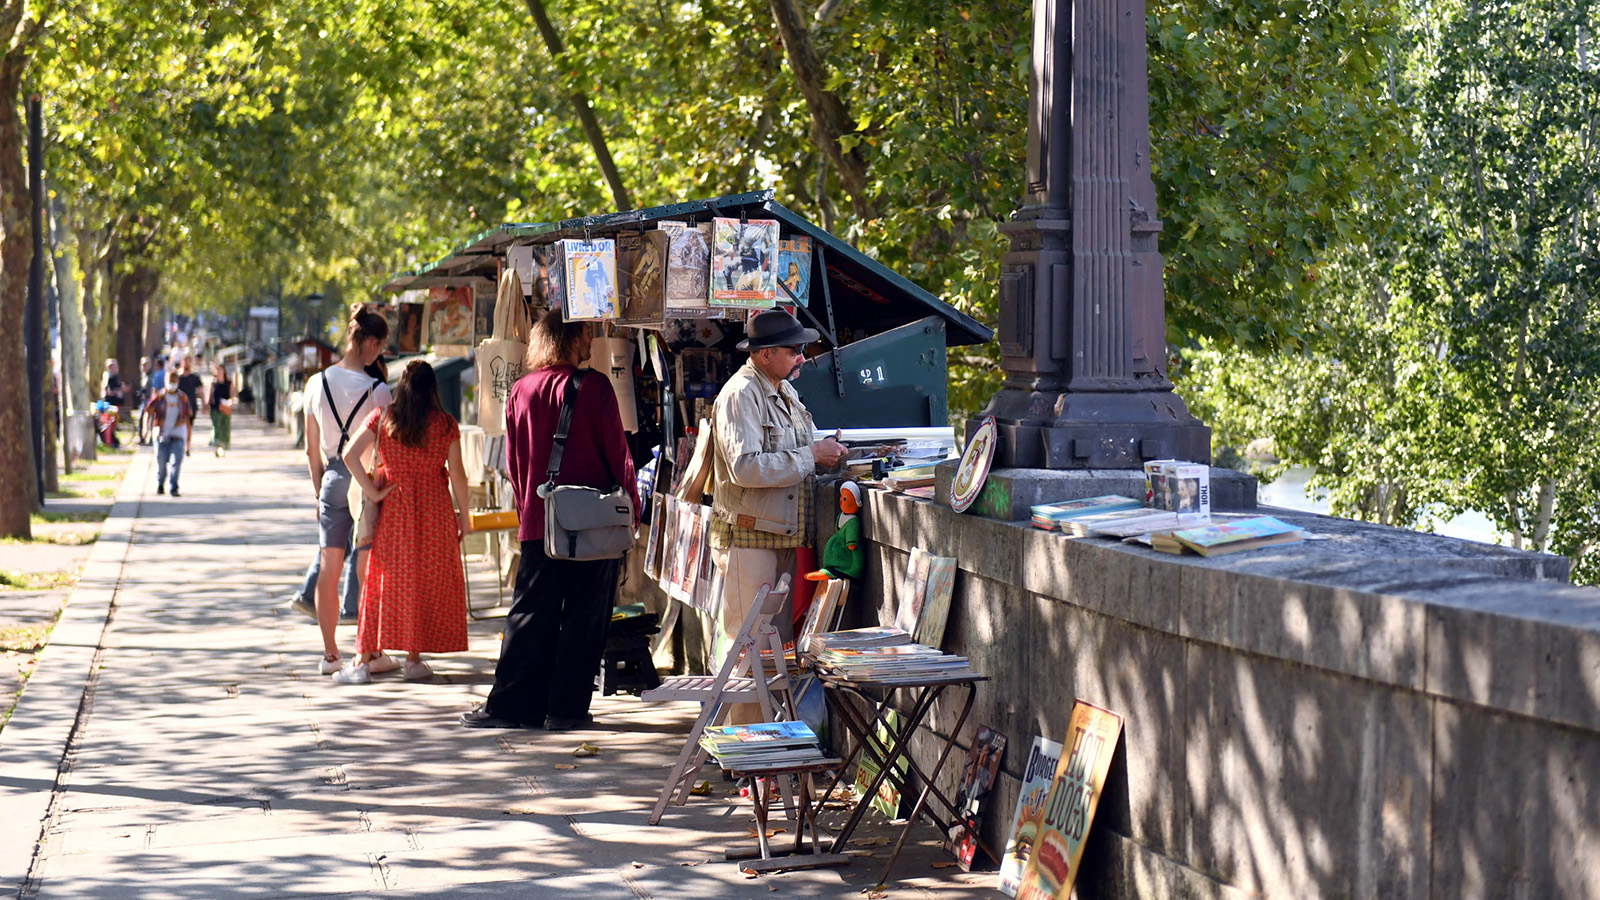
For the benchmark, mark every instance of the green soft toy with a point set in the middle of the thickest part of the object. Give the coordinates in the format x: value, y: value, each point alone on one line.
x: 842, y: 555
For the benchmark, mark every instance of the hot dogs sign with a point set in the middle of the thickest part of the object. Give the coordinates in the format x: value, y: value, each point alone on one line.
x: 1075, y: 793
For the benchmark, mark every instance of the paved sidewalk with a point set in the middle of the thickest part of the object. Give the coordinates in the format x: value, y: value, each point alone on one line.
x: 176, y: 742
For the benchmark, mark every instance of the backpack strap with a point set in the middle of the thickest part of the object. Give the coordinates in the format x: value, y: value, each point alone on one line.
x: 343, y: 422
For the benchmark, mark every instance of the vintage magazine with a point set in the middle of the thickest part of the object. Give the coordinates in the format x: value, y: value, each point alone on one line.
x: 450, y: 314
x: 590, y: 270
x: 550, y: 289
x: 688, y: 270
x: 744, y: 263
x: 794, y: 270
x: 641, y: 265
x: 972, y: 795
x: 1036, y: 779
x: 652, y: 547
x: 1053, y: 864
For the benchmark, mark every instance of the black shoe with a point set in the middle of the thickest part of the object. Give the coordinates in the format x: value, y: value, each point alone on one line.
x: 584, y: 722
x: 477, y: 718
x: 161, y: 489
x: 174, y: 490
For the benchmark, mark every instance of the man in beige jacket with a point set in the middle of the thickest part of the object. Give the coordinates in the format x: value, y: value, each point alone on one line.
x: 763, y: 464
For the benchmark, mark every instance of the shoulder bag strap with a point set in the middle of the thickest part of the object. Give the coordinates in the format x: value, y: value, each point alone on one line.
x: 558, y: 445
x: 343, y: 422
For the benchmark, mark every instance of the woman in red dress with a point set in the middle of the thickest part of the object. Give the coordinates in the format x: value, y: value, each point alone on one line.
x: 413, y: 596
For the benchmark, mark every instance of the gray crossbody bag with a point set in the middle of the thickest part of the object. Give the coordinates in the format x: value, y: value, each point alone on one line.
x: 582, y: 523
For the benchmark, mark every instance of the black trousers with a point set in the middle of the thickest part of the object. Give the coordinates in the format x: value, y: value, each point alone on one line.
x: 554, y: 637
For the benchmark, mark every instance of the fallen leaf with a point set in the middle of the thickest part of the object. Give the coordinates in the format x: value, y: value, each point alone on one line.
x: 585, y: 750
x: 876, y: 892
x: 943, y: 865
x: 772, y: 887
x: 637, y: 864
x: 859, y: 853
x: 771, y: 832
x: 520, y: 811
x: 750, y: 873
x: 565, y: 766
x: 692, y: 863
x: 703, y: 789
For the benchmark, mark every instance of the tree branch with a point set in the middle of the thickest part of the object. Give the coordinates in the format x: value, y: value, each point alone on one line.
x: 586, y: 117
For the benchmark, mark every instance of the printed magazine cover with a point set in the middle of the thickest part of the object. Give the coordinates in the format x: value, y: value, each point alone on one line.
x: 591, y: 279
x: 410, y: 332
x: 641, y: 264
x: 794, y: 270
x: 744, y: 263
x: 688, y: 269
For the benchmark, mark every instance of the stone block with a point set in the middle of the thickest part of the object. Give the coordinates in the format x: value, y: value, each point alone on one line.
x: 1515, y: 807
x: 1303, y: 783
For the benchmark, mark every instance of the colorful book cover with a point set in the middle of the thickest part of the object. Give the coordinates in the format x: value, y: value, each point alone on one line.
x: 450, y: 312
x: 744, y: 263
x: 591, y: 279
x: 1053, y: 864
x: 977, y: 780
x: 1088, y: 506
x: 794, y: 270
x: 936, y: 606
x: 913, y: 591
x: 887, y: 799
x: 1243, y: 533
x: 1036, y: 779
x: 641, y: 264
x: 789, y: 733
x: 1155, y: 482
x: 1156, y: 518
x: 688, y: 269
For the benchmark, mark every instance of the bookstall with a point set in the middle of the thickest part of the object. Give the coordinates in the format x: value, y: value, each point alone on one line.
x: 670, y: 288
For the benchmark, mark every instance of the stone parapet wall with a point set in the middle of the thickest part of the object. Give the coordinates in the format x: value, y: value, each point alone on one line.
x: 1381, y: 714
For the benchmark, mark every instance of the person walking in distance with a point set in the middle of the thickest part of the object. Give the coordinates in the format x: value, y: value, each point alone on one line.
x: 336, y: 398
x: 560, y: 612
x: 174, y: 421
x: 189, y: 383
x: 762, y: 471
x: 413, y: 592
x: 219, y: 397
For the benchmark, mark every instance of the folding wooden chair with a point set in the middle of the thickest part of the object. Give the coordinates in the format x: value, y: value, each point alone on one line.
x: 742, y: 678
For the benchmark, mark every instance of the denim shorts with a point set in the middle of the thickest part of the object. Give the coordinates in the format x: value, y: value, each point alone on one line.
x: 334, y: 520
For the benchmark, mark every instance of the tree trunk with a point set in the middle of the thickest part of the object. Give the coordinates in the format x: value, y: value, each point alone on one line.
x: 133, y: 290
x: 586, y: 117
x: 828, y: 112
x: 74, y: 358
x: 16, y: 457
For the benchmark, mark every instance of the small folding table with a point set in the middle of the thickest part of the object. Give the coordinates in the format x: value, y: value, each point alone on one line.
x: 863, y: 732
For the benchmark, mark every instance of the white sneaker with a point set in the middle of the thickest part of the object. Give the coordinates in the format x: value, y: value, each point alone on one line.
x: 417, y: 671
x: 355, y: 673
x: 382, y: 663
x: 329, y: 666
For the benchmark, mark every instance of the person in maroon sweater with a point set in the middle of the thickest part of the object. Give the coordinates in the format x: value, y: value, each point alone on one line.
x: 560, y: 612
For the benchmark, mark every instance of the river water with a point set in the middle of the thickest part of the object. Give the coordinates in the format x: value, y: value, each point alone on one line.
x: 1290, y: 492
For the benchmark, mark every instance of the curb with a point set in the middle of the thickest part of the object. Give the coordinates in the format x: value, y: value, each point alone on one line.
x: 35, y: 745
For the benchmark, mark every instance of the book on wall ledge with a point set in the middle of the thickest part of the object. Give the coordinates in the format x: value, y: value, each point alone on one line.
x: 1053, y: 516
x: 1222, y: 538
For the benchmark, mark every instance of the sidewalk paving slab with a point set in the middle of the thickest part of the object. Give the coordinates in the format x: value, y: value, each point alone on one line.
x: 176, y: 742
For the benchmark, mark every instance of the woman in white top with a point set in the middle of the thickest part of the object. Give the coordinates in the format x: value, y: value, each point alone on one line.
x: 338, y: 399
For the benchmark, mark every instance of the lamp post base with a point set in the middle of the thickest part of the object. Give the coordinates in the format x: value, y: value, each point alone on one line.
x: 1094, y: 429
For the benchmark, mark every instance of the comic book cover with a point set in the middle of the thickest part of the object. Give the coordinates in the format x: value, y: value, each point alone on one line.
x: 794, y: 270
x: 744, y: 263
x: 591, y: 279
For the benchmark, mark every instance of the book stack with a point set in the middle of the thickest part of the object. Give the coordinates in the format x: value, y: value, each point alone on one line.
x: 1054, y: 516
x: 858, y: 639
x: 763, y: 745
x: 899, y: 664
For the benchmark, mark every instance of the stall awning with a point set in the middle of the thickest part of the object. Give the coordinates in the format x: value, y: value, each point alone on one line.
x: 866, y: 295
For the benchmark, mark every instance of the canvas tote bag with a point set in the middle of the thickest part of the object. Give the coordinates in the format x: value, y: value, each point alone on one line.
x: 499, y: 356
x: 582, y: 522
